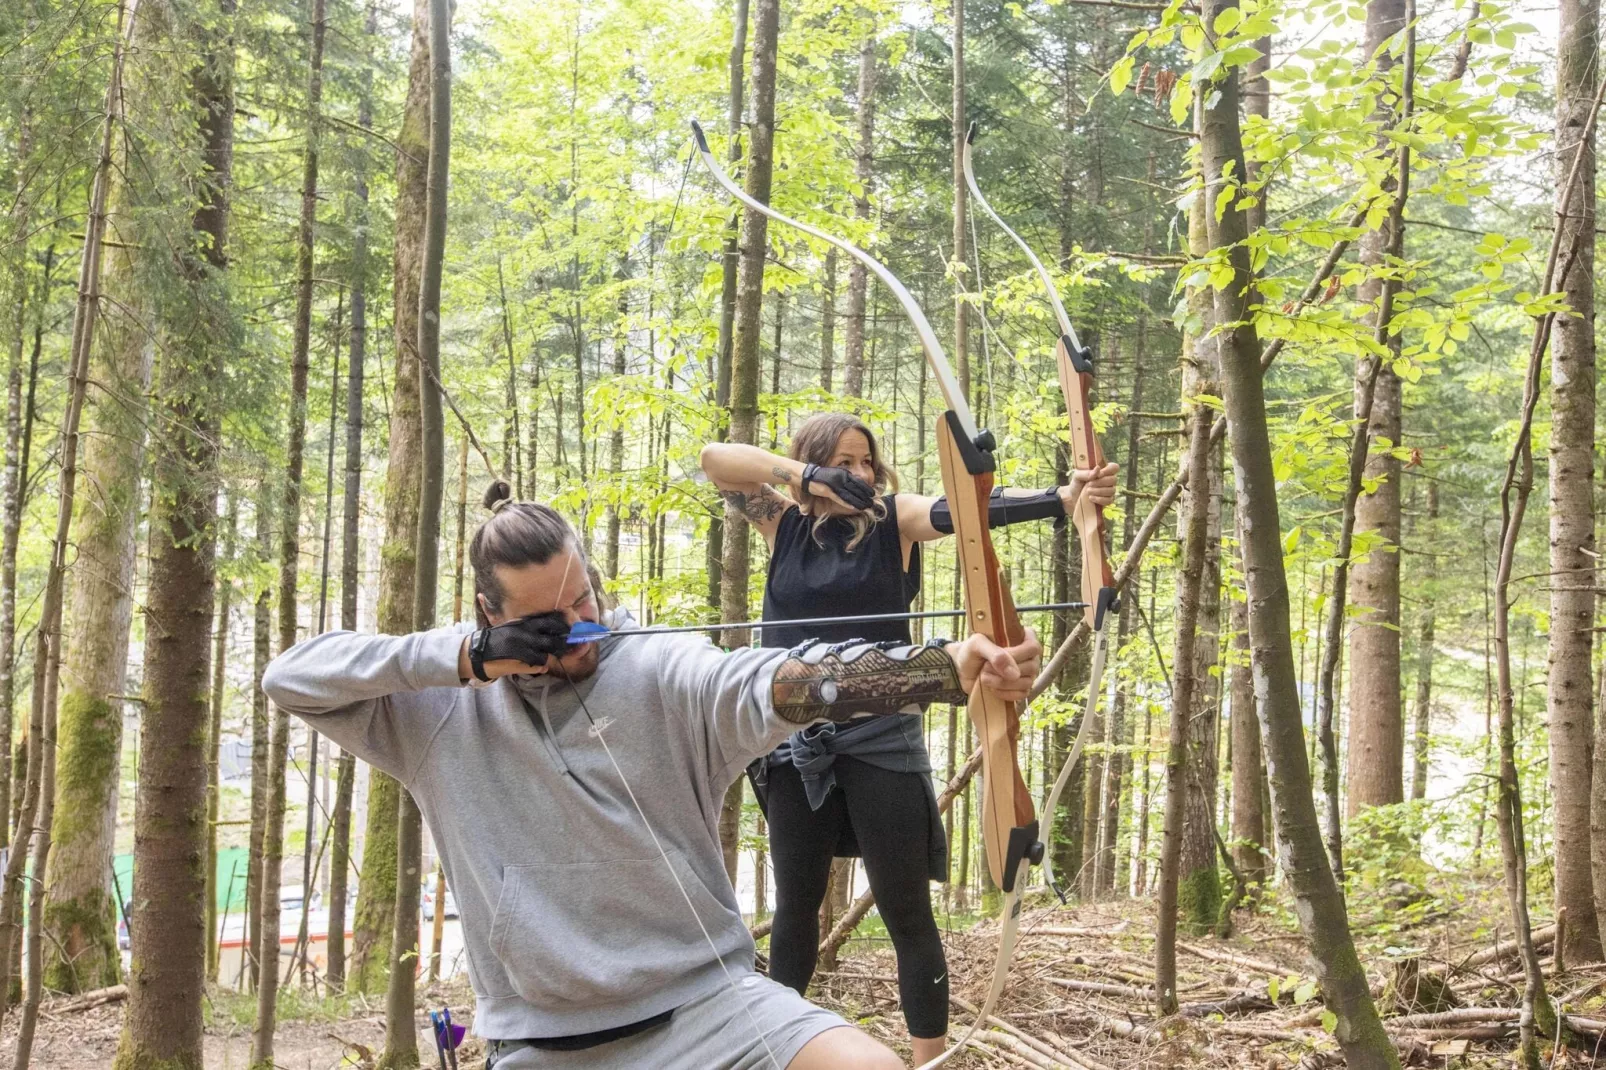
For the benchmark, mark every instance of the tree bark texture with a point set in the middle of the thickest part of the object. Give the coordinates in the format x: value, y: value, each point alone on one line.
x: 749, y: 325
x: 827, y: 323
x: 1248, y: 766
x: 12, y: 492
x: 79, y: 913
x: 168, y: 926
x: 1569, y: 694
x: 1064, y: 829
x: 730, y: 258
x: 1119, y: 761
x: 1319, y: 904
x: 262, y: 1035
x: 220, y: 647
x: 1199, y: 882
x: 372, y: 931
x: 401, y: 1032
x: 261, y: 650
x: 1376, y: 765
x: 961, y: 216
x: 750, y: 299
x: 864, y: 171
x: 1423, y: 729
x: 351, y: 519
x: 1195, y: 523
x: 38, y: 791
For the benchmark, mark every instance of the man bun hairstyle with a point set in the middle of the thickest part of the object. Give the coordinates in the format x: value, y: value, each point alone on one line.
x: 515, y: 535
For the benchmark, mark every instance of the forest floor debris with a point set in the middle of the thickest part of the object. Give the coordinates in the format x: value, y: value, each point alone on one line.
x: 1077, y: 998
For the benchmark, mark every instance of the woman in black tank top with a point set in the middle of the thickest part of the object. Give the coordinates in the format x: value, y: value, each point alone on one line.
x: 845, y: 543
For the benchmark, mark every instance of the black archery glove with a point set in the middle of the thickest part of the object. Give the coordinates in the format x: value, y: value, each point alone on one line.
x: 527, y: 640
x: 853, y: 491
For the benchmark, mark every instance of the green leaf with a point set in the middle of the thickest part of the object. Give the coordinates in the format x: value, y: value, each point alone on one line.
x: 1329, y: 1022
x: 1181, y: 98
x: 1227, y: 21
x: 1121, y: 75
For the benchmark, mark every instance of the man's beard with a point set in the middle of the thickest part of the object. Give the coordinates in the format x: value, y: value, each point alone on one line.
x: 582, y: 668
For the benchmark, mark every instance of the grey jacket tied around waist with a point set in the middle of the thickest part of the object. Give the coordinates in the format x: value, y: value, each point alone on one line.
x: 571, y: 921
x: 893, y: 743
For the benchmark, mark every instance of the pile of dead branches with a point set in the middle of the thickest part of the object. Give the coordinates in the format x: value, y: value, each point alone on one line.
x: 1081, y: 997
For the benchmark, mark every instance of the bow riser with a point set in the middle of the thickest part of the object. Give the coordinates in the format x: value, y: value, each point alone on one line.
x: 1076, y: 382
x: 1009, y: 818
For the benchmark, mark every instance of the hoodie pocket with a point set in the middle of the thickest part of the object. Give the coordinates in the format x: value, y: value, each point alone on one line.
x: 578, y: 934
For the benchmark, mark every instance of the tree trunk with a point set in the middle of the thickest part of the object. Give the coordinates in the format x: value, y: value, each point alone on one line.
x: 262, y: 1035
x: 957, y: 264
x: 749, y: 302
x: 1197, y: 886
x: 401, y: 1031
x: 749, y: 324
x: 351, y: 518
x: 309, y: 862
x: 827, y: 322
x: 1248, y: 767
x: 512, y: 453
x: 1093, y: 796
x: 220, y: 647
x: 82, y: 950
x: 1376, y: 766
x: 13, y: 493
x: 47, y: 647
x: 163, y: 1026
x: 1185, y: 682
x: 1320, y: 905
x: 1377, y: 729
x: 261, y: 647
x: 1064, y: 829
x: 1199, y: 883
x: 1570, y: 687
x: 616, y: 437
x: 1118, y: 762
x: 864, y: 171
x: 727, y: 296
x: 1424, y: 648
x: 375, y: 924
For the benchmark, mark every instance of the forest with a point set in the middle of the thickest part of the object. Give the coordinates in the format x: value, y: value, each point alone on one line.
x: 285, y: 285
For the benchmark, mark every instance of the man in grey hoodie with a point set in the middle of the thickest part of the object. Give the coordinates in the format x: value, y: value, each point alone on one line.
x: 574, y: 789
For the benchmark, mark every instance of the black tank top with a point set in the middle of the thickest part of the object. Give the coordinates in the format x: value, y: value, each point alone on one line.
x: 826, y: 579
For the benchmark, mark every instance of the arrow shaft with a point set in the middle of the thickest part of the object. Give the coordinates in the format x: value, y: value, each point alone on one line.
x: 809, y: 622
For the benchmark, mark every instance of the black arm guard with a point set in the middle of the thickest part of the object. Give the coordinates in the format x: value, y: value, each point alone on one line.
x: 838, y: 681
x: 1006, y: 507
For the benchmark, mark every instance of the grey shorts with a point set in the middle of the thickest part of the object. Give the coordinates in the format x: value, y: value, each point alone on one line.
x: 719, y: 1031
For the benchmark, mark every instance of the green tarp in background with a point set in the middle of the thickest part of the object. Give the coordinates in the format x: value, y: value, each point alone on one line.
x: 229, y: 860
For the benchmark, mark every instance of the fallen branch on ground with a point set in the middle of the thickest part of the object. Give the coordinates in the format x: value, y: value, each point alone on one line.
x: 87, y: 1000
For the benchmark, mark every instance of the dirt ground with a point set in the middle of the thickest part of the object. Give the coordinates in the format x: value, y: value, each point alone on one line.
x: 87, y: 1040
x: 1078, y: 998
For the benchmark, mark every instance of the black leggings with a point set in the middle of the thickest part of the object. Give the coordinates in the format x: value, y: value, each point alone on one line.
x: 891, y: 819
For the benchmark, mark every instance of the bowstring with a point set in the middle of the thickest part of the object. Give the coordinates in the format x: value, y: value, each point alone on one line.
x: 598, y: 730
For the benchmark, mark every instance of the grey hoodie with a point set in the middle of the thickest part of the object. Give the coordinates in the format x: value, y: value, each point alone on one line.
x: 571, y: 920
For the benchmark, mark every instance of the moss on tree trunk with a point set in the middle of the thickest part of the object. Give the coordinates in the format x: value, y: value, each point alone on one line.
x: 80, y: 916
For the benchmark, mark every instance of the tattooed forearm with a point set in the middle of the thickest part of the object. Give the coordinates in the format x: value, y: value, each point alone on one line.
x: 760, y: 508
x: 781, y: 474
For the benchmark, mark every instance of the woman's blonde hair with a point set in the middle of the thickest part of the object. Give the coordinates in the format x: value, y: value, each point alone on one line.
x: 815, y: 442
